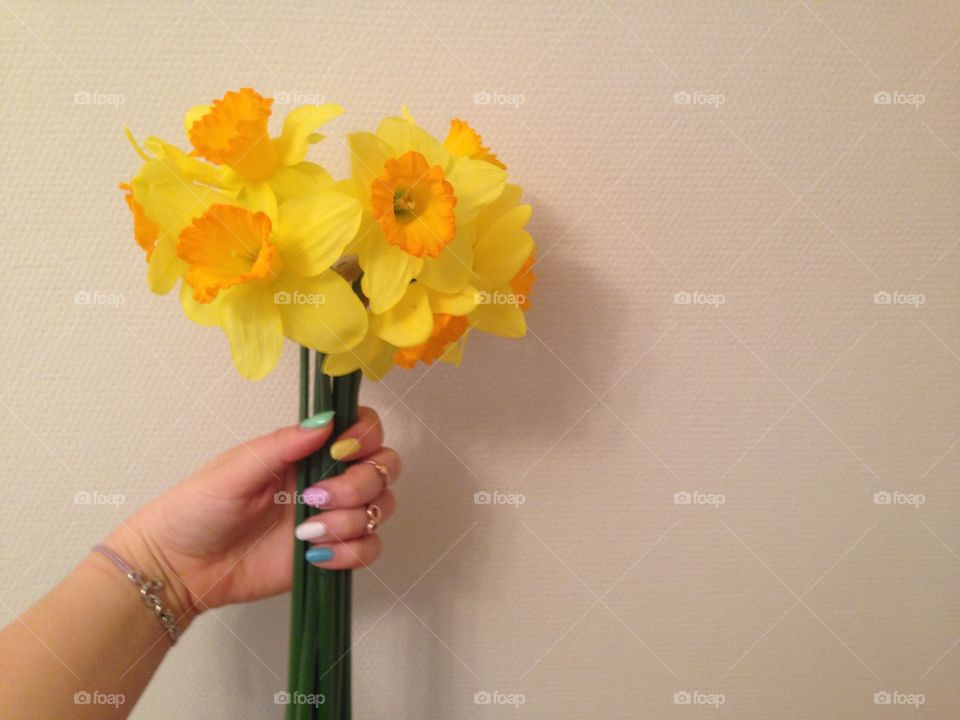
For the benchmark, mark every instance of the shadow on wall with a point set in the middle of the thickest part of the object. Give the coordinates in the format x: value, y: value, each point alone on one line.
x: 482, y: 428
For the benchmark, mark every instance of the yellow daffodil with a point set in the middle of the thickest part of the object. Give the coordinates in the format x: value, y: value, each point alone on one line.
x: 503, y: 254
x: 464, y: 141
x: 420, y: 207
x: 407, y: 333
x: 502, y: 269
x: 262, y: 272
x: 233, y: 134
x: 164, y: 197
x: 429, y: 324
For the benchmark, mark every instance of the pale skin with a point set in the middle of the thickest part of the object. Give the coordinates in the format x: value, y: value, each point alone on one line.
x: 217, y: 538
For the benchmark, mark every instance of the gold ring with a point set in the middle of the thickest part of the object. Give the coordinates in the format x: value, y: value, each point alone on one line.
x: 374, y: 513
x: 381, y: 470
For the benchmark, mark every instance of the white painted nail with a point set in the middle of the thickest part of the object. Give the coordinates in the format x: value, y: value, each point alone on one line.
x: 310, y: 530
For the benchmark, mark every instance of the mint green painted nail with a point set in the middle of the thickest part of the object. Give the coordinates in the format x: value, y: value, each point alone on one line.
x: 318, y: 421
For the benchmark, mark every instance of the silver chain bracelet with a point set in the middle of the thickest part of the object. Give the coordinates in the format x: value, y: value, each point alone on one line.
x: 148, y: 590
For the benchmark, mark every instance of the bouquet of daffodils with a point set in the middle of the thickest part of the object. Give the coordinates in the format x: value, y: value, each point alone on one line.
x: 398, y: 264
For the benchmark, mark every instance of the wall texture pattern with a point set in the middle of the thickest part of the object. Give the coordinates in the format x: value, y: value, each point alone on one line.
x: 731, y: 435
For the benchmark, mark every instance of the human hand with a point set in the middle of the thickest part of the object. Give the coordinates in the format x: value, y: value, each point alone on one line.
x: 225, y: 535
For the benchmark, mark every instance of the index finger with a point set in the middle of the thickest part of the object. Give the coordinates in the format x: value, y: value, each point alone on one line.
x: 361, y: 439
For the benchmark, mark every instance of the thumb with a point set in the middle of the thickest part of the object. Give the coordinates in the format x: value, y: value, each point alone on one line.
x: 270, y: 455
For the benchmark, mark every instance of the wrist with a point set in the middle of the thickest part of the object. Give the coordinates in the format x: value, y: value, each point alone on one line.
x: 136, y: 548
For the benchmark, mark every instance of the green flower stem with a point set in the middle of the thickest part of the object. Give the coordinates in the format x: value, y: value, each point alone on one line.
x: 299, y: 547
x: 316, y: 611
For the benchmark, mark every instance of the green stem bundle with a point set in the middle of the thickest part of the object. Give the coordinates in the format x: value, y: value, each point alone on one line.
x: 319, y: 662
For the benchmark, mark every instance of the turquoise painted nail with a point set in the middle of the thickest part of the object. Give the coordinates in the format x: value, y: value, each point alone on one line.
x: 319, y: 554
x: 318, y: 421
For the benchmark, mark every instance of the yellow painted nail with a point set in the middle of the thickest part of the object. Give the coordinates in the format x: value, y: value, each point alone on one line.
x: 344, y: 448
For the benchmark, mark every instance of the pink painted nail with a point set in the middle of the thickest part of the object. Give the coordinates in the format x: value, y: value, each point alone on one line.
x: 316, y: 497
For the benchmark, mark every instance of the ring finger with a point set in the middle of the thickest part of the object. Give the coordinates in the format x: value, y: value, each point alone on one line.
x: 339, y: 525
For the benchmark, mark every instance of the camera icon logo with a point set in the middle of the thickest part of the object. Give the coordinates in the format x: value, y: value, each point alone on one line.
x: 882, y: 98
x: 283, y: 498
x: 682, y: 697
x: 281, y: 297
x: 81, y: 697
x: 682, y: 97
x: 82, y: 498
x: 882, y: 297
x: 682, y: 498
x: 482, y: 98
x: 281, y: 697
x: 882, y: 498
x: 482, y: 698
x: 682, y: 298
x: 882, y: 698
x: 482, y: 497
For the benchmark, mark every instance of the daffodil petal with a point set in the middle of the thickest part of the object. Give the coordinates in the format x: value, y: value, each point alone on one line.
x: 259, y: 197
x: 298, y: 130
x: 387, y: 271
x: 404, y: 136
x: 201, y: 313
x: 252, y: 323
x: 499, y: 254
x: 449, y: 272
x: 322, y: 312
x: 177, y: 166
x: 293, y: 181
x: 373, y: 356
x: 173, y: 205
x: 504, y: 319
x: 314, y: 230
x: 165, y: 267
x: 194, y: 114
x: 475, y: 183
x: 368, y: 153
x: 408, y: 323
x: 461, y: 303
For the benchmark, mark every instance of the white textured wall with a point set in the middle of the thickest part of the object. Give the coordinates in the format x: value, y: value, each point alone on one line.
x: 796, y: 199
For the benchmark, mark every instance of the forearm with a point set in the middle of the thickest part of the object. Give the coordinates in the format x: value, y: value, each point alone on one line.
x: 91, y: 645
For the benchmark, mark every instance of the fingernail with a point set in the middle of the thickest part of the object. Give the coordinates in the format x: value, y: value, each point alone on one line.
x: 344, y: 448
x: 316, y: 497
x: 310, y: 530
x: 317, y: 421
x: 319, y: 554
